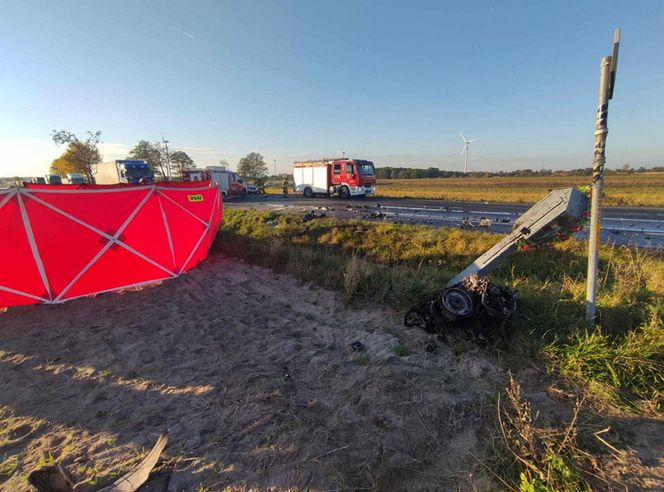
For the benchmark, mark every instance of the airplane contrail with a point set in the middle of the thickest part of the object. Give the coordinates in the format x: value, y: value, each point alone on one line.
x: 188, y: 35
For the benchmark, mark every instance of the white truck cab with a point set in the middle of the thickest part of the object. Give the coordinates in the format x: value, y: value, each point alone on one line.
x: 229, y: 182
x: 75, y: 178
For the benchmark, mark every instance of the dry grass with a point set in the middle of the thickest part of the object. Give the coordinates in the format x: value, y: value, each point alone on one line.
x: 643, y: 189
x: 536, y: 456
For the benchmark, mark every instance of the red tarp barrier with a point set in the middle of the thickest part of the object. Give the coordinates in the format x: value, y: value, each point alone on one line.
x: 59, y: 242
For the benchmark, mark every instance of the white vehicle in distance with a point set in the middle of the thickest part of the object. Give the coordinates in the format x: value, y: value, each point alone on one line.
x: 230, y: 183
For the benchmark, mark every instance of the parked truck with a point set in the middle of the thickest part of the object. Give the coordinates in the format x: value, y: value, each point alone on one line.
x: 344, y: 177
x: 124, y: 171
x: 230, y: 183
x: 74, y: 178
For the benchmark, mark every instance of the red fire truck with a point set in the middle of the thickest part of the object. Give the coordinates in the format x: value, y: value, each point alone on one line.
x: 345, y: 177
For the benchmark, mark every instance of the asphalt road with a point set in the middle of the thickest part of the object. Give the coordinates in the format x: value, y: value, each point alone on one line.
x: 638, y: 226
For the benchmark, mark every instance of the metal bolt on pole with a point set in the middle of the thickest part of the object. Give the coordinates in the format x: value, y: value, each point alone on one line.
x: 606, y: 84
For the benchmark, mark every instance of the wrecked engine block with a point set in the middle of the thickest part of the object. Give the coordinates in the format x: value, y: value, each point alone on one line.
x: 475, y: 303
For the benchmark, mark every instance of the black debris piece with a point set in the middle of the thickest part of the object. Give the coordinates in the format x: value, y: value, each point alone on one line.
x: 311, y: 215
x: 357, y: 346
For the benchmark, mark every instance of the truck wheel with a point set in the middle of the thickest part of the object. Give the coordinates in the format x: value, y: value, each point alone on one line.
x: 457, y: 302
x: 223, y: 195
x: 344, y: 192
x: 308, y: 193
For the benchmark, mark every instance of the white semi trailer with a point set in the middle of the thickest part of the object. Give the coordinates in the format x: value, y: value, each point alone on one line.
x: 124, y: 171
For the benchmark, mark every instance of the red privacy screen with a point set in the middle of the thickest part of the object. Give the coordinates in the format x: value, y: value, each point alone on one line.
x: 59, y: 242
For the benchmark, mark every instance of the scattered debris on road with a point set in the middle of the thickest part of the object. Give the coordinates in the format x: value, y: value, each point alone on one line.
x: 311, y: 215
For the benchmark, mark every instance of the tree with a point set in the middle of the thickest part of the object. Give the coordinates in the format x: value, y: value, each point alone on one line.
x: 152, y: 153
x: 432, y: 172
x: 252, y: 166
x: 224, y: 162
x: 180, y: 161
x: 382, y: 173
x: 81, y: 156
x: 66, y: 163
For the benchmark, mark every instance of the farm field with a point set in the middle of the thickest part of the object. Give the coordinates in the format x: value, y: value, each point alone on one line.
x: 642, y: 189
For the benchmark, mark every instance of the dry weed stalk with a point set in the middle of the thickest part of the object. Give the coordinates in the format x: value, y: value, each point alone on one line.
x: 544, y: 458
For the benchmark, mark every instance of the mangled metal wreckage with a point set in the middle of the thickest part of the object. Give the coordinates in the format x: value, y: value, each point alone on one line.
x: 470, y: 297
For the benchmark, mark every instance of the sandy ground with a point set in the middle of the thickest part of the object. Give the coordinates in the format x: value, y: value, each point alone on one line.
x: 254, y: 378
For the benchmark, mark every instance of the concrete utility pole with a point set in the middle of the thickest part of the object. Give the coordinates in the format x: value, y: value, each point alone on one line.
x: 607, y: 79
x: 168, y: 158
x: 275, y: 166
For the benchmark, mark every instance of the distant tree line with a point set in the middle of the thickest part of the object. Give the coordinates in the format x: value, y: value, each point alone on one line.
x: 434, y: 172
x: 83, y: 155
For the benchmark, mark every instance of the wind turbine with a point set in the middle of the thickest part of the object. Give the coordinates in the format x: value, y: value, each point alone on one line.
x: 466, y: 149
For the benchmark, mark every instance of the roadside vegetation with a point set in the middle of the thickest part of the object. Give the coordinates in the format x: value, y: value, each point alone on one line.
x: 616, y: 367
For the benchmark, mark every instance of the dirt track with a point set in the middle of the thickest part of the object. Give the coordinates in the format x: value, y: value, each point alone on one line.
x: 253, y: 376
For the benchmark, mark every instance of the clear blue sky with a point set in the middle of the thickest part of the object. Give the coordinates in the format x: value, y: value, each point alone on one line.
x: 388, y: 81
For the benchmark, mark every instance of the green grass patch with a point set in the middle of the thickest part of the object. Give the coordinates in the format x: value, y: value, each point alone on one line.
x: 401, y: 351
x: 8, y: 466
x: 627, y: 369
